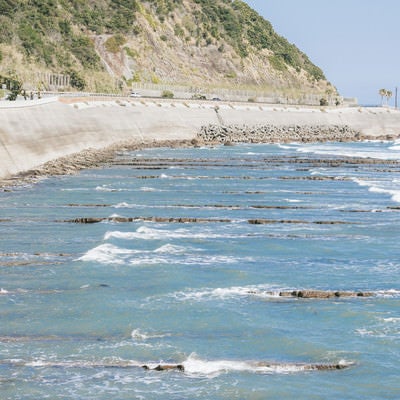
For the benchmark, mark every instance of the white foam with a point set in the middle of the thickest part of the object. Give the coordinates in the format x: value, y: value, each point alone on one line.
x: 85, y: 286
x: 396, y: 146
x: 263, y: 291
x: 123, y: 205
x: 395, y: 194
x: 120, y: 235
x: 38, y: 363
x: 391, y: 320
x: 376, y: 187
x: 385, y: 328
x: 360, y: 182
x: 329, y: 149
x: 197, y: 367
x: 3, y: 291
x: 142, y: 232
x: 285, y: 147
x: 137, y: 334
x: 149, y: 260
x: 213, y: 260
x: 193, y: 365
x: 115, y: 216
x: 147, y: 233
x: 107, y: 254
x: 112, y: 362
x: 165, y: 254
x: 388, y: 293
x: 105, y: 188
x: 171, y: 249
x: 75, y: 189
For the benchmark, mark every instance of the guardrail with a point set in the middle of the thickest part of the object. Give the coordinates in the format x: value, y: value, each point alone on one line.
x: 187, y: 93
x: 20, y: 103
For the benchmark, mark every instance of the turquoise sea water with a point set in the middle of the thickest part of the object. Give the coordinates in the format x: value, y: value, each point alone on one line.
x: 84, y: 306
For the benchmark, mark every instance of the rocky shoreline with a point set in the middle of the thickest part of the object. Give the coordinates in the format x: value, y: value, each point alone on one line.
x: 89, y: 158
x: 278, y: 133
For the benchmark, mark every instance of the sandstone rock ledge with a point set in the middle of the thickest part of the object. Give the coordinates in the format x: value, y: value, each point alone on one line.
x: 278, y: 133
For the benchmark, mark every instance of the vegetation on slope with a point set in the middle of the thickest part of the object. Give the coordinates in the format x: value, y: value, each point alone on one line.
x: 78, y: 36
x: 245, y: 30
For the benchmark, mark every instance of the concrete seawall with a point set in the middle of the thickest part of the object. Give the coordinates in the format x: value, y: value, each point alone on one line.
x: 30, y: 136
x: 34, y: 132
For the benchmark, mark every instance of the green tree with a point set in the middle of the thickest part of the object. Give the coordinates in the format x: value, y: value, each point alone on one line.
x: 83, y: 49
x: 30, y: 38
x: 15, y: 86
x: 382, y: 93
x: 323, y: 102
x: 167, y: 94
x: 114, y: 43
x: 389, y: 94
x: 76, y: 80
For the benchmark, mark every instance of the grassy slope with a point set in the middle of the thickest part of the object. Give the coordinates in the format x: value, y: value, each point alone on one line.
x: 223, y: 43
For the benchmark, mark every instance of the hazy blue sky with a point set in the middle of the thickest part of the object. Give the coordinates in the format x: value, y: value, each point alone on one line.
x: 355, y: 42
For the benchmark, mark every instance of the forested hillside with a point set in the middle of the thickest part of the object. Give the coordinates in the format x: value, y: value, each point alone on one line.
x: 187, y: 42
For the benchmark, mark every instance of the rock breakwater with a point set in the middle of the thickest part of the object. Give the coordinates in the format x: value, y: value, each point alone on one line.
x: 278, y: 133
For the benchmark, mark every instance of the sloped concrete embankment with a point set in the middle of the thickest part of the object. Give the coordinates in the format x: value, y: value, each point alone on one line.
x: 31, y: 136
x: 32, y: 133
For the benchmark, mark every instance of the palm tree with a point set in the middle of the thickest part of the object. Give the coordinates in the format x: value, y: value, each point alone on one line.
x: 382, y: 93
x: 388, y: 95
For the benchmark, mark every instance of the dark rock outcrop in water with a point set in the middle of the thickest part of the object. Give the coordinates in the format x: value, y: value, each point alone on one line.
x: 262, y: 221
x: 307, y: 367
x: 252, y: 365
x: 322, y: 294
x: 319, y: 294
x: 278, y: 133
x: 166, y: 367
x: 181, y: 220
x: 304, y: 367
x: 184, y: 220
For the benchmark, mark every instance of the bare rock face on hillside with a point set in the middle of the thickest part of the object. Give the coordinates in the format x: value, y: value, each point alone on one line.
x: 180, y: 42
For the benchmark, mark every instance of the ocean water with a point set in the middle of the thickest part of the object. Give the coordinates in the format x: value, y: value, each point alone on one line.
x: 84, y: 306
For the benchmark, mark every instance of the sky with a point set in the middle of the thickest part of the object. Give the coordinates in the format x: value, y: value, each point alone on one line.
x: 355, y: 42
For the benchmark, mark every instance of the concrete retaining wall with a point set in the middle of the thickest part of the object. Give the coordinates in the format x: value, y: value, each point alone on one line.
x: 30, y: 136
x: 34, y: 132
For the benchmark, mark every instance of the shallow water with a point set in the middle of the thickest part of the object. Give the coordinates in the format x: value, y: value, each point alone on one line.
x: 84, y: 306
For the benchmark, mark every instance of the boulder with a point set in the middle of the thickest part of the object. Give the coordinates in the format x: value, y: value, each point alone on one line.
x: 165, y: 367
